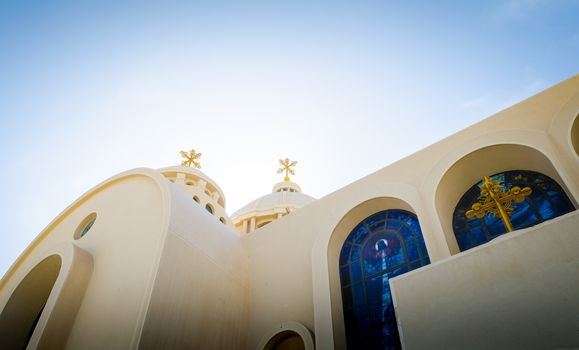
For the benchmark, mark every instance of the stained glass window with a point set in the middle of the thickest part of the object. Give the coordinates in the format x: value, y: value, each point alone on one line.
x: 548, y: 200
x: 383, y: 246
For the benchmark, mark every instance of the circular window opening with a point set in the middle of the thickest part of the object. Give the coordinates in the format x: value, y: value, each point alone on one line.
x: 85, y: 226
x: 575, y: 135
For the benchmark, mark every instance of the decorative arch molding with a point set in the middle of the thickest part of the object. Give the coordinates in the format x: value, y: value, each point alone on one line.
x: 564, y: 128
x: 283, y: 331
x: 328, y: 313
x: 488, y: 160
x: 63, y: 300
x: 575, y: 135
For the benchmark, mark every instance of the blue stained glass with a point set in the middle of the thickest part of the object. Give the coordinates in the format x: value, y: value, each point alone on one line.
x: 358, y: 298
x: 495, y: 226
x: 378, y: 290
x: 412, y: 250
x: 355, y: 253
x: 393, y: 225
x: 381, y: 251
x: 386, y: 247
x: 399, y: 271
x: 560, y: 203
x: 476, y: 235
x: 546, y: 210
x: 547, y: 198
x: 413, y: 222
x: 523, y: 213
x: 345, y: 275
x: 356, y: 272
x: 376, y: 217
x: 376, y: 225
x: 347, y: 298
x: 361, y: 317
x: 371, y: 322
x: 398, y: 215
x: 361, y: 232
x: 415, y: 265
x: 422, y: 247
x: 406, y: 232
x: 371, y: 266
x: 345, y: 254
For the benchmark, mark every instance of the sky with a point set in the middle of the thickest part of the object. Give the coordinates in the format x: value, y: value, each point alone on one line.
x: 89, y: 89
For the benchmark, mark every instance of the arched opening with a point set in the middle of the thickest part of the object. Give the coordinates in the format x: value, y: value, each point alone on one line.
x: 24, y: 308
x: 196, y: 199
x: 339, y: 235
x: 384, y: 245
x: 546, y: 201
x: 286, y: 340
x: 575, y: 135
x: 470, y: 169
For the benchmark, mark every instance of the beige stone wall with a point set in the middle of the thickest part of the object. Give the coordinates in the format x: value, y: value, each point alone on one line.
x: 519, y: 291
x: 200, y: 295
x: 99, y: 297
x: 285, y: 283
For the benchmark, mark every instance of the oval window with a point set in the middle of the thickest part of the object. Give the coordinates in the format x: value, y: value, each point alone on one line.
x: 85, y: 226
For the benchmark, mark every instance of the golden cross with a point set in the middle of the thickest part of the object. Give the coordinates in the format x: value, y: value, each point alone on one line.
x: 497, y: 201
x: 191, y: 158
x: 286, y: 166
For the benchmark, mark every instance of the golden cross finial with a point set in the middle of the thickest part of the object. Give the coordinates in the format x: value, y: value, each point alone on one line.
x: 497, y: 201
x: 191, y: 158
x: 286, y: 166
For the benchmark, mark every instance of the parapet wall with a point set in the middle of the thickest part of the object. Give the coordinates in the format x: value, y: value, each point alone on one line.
x: 519, y: 291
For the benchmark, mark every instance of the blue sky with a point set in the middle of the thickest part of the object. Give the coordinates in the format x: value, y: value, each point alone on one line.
x: 90, y: 89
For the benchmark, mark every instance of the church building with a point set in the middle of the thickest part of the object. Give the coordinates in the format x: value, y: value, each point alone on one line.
x: 470, y: 243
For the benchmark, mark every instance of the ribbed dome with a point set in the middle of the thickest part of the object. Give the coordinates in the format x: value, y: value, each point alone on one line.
x: 286, y: 197
x: 282, y: 199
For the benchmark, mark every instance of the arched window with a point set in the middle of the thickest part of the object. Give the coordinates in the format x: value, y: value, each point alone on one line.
x: 385, y: 245
x: 547, y: 201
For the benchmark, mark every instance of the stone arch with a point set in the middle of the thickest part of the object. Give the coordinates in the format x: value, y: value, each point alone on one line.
x: 488, y: 160
x: 341, y: 231
x: 24, y: 307
x: 287, y: 336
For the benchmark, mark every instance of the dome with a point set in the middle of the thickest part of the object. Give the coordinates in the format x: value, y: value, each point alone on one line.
x: 200, y: 188
x: 286, y: 197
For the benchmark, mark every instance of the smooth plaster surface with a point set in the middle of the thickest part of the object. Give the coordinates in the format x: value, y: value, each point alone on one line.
x: 519, y: 291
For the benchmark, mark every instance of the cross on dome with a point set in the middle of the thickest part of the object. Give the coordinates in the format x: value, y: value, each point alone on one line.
x: 191, y: 159
x: 286, y: 166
